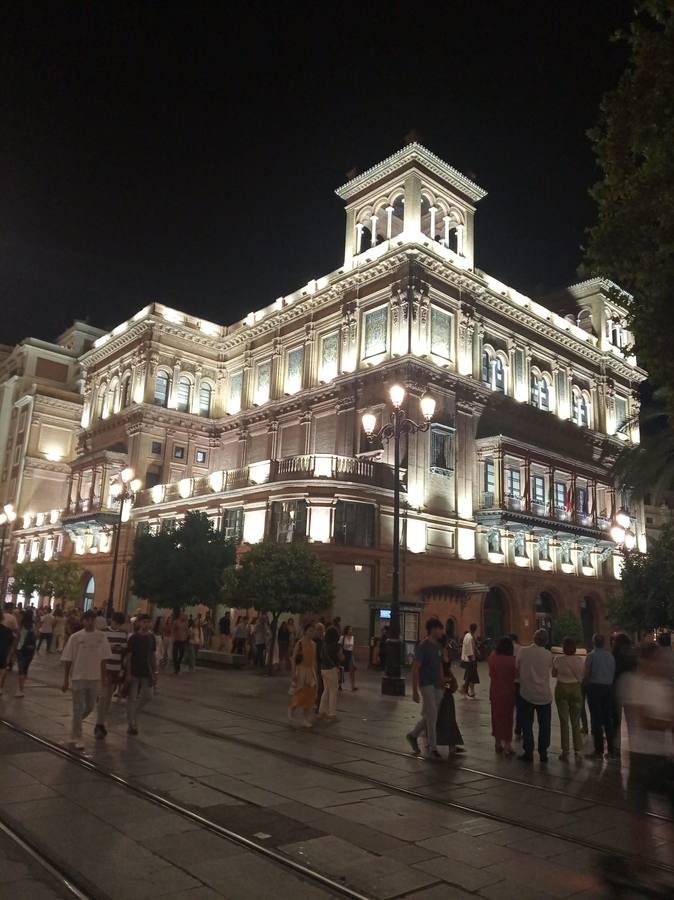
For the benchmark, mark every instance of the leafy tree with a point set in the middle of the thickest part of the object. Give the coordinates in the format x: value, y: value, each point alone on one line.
x: 32, y: 577
x: 278, y: 578
x: 183, y: 566
x: 648, y: 467
x: 567, y: 625
x: 647, y: 600
x: 65, y: 580
x: 632, y: 241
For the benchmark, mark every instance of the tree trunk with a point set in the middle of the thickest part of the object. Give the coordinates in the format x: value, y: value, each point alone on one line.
x: 274, y: 626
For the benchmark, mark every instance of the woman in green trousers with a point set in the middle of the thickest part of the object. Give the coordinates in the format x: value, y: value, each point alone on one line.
x: 569, y: 670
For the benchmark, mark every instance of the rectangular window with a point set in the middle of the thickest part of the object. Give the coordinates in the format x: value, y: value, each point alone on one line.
x: 235, y: 391
x: 200, y: 456
x: 581, y: 500
x: 539, y: 489
x: 263, y: 382
x: 354, y: 524
x: 156, y: 448
x: 441, y: 333
x: 376, y: 332
x: 232, y: 523
x: 151, y: 478
x: 294, y: 366
x: 560, y: 495
x: 544, y: 547
x: 513, y: 484
x: 329, y: 357
x: 442, y: 462
x: 288, y: 521
x: 167, y: 525
x: 179, y: 452
x: 489, y: 476
x: 620, y: 412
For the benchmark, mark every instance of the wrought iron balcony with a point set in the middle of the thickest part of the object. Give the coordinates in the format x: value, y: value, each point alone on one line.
x: 540, y: 514
x: 314, y: 466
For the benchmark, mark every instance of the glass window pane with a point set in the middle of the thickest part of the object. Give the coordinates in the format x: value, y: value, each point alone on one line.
x: 376, y: 332
x: 329, y: 357
x: 205, y: 400
x: 441, y: 333
x: 161, y: 389
x: 263, y: 382
x: 184, y: 392
x: 235, y: 389
x: 294, y: 370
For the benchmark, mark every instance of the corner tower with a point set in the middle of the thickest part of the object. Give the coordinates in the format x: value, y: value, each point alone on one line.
x: 411, y: 197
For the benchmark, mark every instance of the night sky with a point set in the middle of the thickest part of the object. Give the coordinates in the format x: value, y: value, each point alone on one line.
x: 188, y: 153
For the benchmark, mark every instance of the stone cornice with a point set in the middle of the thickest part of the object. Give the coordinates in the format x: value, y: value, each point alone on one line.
x: 412, y: 153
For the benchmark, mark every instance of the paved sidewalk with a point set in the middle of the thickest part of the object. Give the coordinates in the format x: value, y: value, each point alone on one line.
x: 198, y: 746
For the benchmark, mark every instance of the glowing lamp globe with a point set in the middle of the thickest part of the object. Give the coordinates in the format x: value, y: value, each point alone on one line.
x: 369, y: 423
x: 397, y: 394
x: 427, y: 404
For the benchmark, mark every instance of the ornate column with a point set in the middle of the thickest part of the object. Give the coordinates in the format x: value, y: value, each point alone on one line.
x: 248, y: 381
x: 272, y: 438
x: 551, y: 492
x: 173, y: 394
x: 305, y: 431
x: 243, y: 442
x: 466, y: 328
x: 277, y: 370
x: 478, y: 337
x: 421, y: 343
x: 460, y: 239
x: 308, y: 374
x: 527, y: 483
x: 389, y: 222
x: 349, y: 330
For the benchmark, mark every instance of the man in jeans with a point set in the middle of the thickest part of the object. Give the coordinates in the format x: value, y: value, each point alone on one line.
x: 117, y: 638
x: 599, y: 675
x: 534, y: 667
x: 428, y: 686
x: 85, y: 657
x: 141, y: 671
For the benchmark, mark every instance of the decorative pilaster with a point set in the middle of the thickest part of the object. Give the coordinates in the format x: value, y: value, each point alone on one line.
x: 277, y: 370
x: 308, y: 374
x: 305, y: 431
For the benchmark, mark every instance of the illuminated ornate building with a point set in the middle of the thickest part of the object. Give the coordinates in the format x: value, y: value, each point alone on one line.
x: 507, y: 498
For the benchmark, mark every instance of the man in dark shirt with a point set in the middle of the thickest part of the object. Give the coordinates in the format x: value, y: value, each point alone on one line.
x: 427, y: 686
x: 141, y: 670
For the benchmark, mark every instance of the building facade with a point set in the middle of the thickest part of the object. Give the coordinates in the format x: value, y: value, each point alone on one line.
x: 507, y: 498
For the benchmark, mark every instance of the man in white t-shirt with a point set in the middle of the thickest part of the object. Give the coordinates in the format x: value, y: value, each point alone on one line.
x: 85, y: 657
x: 534, y: 667
x: 46, y: 631
x: 647, y: 697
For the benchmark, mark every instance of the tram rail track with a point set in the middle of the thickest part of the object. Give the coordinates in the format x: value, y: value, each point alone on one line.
x: 228, y: 834
x: 410, y: 793
x: 457, y: 766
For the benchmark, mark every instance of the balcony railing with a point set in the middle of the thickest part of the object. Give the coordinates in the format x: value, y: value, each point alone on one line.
x: 308, y: 466
x: 542, y: 510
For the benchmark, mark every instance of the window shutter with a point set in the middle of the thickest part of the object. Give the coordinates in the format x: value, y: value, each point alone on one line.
x: 326, y: 434
x: 290, y: 440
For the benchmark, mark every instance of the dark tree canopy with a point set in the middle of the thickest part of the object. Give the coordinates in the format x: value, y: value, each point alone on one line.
x: 183, y: 566
x: 632, y: 241
x: 61, y: 580
x: 647, y: 600
x: 567, y: 625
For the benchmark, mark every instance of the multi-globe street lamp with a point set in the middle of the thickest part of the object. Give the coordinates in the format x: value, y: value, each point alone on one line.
x: 121, y: 490
x: 7, y: 517
x: 393, y: 430
x: 621, y: 531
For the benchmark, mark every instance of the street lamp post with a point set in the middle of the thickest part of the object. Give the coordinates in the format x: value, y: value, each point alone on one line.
x: 121, y: 490
x: 393, y: 682
x: 621, y: 531
x: 7, y: 516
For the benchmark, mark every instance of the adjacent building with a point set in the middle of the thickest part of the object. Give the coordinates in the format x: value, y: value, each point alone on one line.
x: 507, y: 497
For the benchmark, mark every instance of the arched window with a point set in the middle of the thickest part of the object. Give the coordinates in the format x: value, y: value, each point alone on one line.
x: 499, y: 375
x: 205, y: 394
x: 540, y: 391
x: 161, y: 389
x: 486, y: 367
x: 126, y: 391
x: 184, y: 393
x: 581, y: 410
x: 100, y: 401
x: 114, y: 397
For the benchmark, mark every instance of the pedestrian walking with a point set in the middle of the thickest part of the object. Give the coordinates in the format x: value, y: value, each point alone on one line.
x: 23, y: 648
x: 428, y: 687
x: 625, y: 661
x: 469, y: 662
x: 10, y: 618
x: 114, y: 671
x: 283, y: 641
x: 534, y: 667
x: 261, y: 636
x: 59, y: 629
x: 193, y: 642
x: 181, y: 636
x: 158, y: 632
x: 518, y: 723
x: 46, y: 630
x: 85, y: 656
x: 224, y: 631
x: 348, y: 644
x: 569, y: 671
x: 303, y: 683
x: 6, y: 641
x: 598, y: 679
x: 167, y: 641
x: 319, y: 638
x: 330, y: 674
x: 502, y: 675
x: 647, y: 696
x: 448, y: 733
x: 240, y: 636
x: 141, y: 671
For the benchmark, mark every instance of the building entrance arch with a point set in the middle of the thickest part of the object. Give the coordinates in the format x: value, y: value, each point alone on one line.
x: 89, y: 590
x: 495, y: 613
x: 545, y: 613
